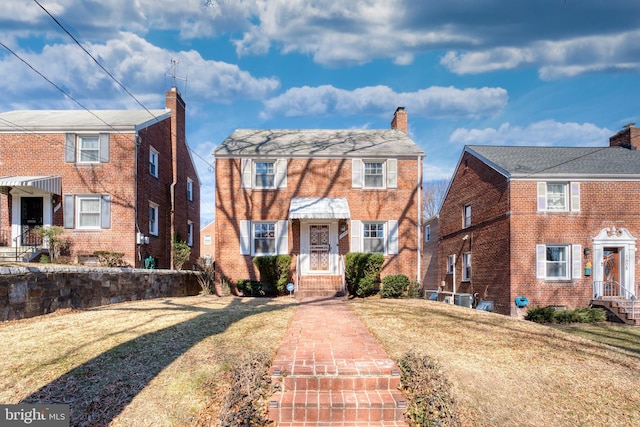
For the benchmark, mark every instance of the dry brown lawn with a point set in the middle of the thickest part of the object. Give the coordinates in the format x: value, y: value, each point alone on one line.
x: 507, y: 372
x: 162, y: 362
x: 166, y: 362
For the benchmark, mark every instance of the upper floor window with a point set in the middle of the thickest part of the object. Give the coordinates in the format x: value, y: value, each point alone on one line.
x: 86, y: 148
x: 153, y: 219
x: 190, y: 233
x: 264, y: 173
x: 466, y: 216
x: 87, y: 211
x: 558, y: 196
x: 373, y: 237
x: 373, y: 174
x: 427, y: 233
x: 189, y: 189
x: 466, y: 266
x: 153, y: 162
x: 558, y: 261
x: 206, y: 240
x: 370, y: 173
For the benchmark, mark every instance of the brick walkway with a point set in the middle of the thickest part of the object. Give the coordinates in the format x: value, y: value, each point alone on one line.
x: 333, y: 372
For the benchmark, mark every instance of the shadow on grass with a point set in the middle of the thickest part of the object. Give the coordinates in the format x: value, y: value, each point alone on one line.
x: 101, y: 388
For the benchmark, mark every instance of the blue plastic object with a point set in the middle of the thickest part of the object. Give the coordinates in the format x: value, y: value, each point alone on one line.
x: 522, y: 301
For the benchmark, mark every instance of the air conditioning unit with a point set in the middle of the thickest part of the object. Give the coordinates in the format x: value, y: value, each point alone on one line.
x: 447, y: 300
x: 464, y: 300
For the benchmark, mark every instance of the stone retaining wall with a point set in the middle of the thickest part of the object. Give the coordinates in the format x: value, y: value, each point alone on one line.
x: 32, y: 291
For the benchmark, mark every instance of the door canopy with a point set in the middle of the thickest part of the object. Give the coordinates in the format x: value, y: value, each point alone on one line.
x: 319, y: 208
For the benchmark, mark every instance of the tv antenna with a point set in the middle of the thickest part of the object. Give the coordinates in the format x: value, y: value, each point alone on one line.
x: 173, y: 75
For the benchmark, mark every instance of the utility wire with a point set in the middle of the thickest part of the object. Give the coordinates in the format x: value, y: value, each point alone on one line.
x: 94, y: 59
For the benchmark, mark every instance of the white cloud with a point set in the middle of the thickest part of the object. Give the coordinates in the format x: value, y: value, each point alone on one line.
x: 554, y: 59
x: 433, y: 102
x: 135, y: 63
x: 543, y: 133
x: 433, y: 171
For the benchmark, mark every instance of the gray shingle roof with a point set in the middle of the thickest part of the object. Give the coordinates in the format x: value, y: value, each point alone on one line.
x: 77, y: 120
x: 318, y: 143
x: 537, y: 162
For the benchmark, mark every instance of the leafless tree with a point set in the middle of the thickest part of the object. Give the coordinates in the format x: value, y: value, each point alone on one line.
x: 433, y: 193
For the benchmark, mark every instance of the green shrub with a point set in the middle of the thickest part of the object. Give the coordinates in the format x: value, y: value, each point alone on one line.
x: 44, y: 259
x: 430, y: 399
x: 394, y: 286
x: 254, y: 288
x: 274, y: 270
x: 362, y: 271
x: 181, y: 253
x: 558, y: 315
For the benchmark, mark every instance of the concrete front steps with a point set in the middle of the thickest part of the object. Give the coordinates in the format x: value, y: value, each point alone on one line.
x: 319, y: 286
x: 338, y: 396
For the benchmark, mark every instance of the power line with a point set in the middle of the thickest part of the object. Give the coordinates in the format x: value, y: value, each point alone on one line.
x: 57, y: 87
x: 94, y: 59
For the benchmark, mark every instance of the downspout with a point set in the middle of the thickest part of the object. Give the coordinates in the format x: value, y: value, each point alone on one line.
x: 172, y: 188
x: 419, y: 222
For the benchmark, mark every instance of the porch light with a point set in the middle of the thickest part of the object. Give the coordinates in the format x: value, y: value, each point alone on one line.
x: 587, y: 251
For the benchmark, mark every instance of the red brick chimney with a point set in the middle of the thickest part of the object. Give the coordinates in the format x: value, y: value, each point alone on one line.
x: 629, y: 137
x: 400, y: 120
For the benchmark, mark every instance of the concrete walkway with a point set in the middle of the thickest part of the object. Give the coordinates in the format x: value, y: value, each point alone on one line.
x: 333, y: 372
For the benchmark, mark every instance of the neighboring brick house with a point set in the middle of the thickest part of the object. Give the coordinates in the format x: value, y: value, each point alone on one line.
x: 207, y: 242
x: 430, y: 278
x: 317, y: 195
x: 116, y: 180
x: 556, y: 225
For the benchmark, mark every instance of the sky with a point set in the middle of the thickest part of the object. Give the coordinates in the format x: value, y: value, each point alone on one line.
x: 468, y: 72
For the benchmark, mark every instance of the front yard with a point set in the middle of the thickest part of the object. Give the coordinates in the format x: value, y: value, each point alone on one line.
x: 166, y: 362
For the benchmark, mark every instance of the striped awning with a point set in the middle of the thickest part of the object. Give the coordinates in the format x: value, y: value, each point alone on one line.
x: 319, y: 208
x: 50, y: 184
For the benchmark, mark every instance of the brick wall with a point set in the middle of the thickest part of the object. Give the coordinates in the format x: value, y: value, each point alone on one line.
x: 602, y: 205
x: 312, y: 178
x: 487, y: 192
x: 43, y: 154
x: 506, y: 228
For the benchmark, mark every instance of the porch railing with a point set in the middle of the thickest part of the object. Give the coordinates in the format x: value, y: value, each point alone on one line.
x: 27, y: 241
x: 341, y: 271
x: 610, y: 289
x: 297, y: 273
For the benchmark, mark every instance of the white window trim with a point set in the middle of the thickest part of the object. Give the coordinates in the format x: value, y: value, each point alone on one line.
x: 390, y: 237
x: 466, y: 219
x: 190, y: 233
x: 79, y: 200
x: 154, y: 158
x: 384, y: 235
x: 190, y: 189
x: 206, y: 239
x: 79, y: 139
x: 248, y: 171
x: 571, y: 196
x: 154, y: 230
x: 427, y: 233
x: 466, y: 266
x: 451, y: 263
x: 573, y: 262
x: 389, y: 173
x: 254, y: 251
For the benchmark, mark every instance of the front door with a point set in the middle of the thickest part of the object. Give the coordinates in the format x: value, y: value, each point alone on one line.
x: 319, y: 247
x: 611, y: 268
x: 31, y: 217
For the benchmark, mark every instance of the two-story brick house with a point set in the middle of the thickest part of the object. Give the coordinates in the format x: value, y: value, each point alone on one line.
x: 555, y: 225
x: 116, y: 180
x: 317, y: 195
